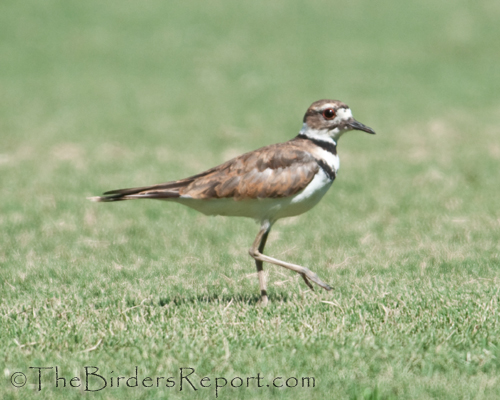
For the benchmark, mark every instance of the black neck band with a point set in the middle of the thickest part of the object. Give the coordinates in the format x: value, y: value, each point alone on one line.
x: 327, y: 146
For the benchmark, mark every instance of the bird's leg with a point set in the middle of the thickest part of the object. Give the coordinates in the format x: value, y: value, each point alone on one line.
x: 256, y: 253
x: 259, y: 244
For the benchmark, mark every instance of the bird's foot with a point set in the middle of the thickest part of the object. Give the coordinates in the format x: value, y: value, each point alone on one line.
x: 263, y: 301
x: 315, y: 278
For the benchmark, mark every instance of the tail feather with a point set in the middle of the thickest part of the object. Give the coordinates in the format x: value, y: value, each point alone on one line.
x: 168, y: 190
x: 169, y: 185
x: 150, y: 192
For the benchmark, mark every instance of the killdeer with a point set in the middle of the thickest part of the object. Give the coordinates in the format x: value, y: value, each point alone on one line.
x: 273, y: 182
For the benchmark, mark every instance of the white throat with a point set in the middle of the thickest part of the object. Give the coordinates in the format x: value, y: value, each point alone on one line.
x: 324, y: 135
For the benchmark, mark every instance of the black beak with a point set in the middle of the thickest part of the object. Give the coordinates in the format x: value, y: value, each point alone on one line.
x: 360, y: 127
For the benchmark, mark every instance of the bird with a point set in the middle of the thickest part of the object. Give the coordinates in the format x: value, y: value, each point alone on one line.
x: 273, y: 182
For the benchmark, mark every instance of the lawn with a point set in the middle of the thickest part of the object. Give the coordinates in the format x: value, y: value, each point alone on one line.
x: 97, y: 96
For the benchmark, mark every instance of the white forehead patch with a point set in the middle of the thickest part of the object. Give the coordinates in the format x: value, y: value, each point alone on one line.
x: 343, y: 114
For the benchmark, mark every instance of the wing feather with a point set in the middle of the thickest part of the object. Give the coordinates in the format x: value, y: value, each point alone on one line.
x: 275, y: 171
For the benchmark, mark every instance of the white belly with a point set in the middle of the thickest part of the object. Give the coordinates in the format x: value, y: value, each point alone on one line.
x: 265, y: 209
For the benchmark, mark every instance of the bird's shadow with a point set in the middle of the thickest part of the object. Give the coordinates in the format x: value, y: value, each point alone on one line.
x: 247, y: 299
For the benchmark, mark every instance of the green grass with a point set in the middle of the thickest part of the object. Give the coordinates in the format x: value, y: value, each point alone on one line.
x: 102, y: 95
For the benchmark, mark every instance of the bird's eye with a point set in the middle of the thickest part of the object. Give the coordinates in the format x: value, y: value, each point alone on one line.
x: 329, y: 113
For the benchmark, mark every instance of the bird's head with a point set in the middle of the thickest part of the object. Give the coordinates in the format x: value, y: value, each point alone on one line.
x: 330, y: 118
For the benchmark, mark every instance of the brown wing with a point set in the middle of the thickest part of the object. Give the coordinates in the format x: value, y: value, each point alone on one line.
x: 274, y: 171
